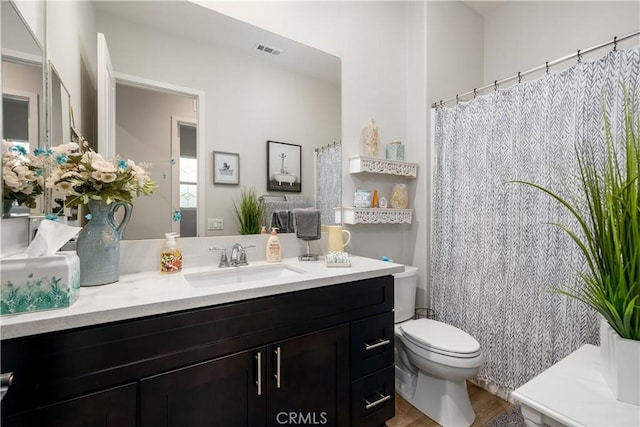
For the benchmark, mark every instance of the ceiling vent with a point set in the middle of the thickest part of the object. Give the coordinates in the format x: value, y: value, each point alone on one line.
x: 268, y: 49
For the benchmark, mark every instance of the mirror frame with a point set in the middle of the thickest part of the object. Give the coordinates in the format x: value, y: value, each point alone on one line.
x: 27, y: 58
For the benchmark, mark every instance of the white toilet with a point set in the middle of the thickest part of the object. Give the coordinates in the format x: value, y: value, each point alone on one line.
x: 433, y: 360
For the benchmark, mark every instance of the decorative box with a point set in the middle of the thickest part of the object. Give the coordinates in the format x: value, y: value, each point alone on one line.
x: 39, y: 283
x: 395, y: 151
x: 362, y: 199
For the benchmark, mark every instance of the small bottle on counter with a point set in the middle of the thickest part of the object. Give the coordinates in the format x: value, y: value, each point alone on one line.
x: 274, y: 250
x: 170, y: 255
x: 263, y: 230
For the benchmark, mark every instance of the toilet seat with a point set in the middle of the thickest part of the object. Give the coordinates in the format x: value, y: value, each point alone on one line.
x: 440, y: 338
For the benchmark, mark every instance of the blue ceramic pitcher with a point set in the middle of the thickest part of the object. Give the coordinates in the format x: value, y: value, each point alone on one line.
x: 98, y: 243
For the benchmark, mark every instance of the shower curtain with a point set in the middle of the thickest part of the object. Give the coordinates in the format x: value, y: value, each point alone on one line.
x: 495, y: 255
x: 328, y: 181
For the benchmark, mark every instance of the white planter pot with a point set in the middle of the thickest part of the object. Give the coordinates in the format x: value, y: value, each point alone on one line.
x: 620, y: 364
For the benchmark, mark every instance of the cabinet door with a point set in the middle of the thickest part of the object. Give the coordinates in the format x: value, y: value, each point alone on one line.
x: 110, y: 408
x: 220, y: 392
x: 309, y: 379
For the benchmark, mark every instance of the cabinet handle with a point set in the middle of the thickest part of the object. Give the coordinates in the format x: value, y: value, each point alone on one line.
x: 259, y: 380
x: 277, y: 374
x: 380, y: 343
x: 369, y: 405
x: 5, y: 382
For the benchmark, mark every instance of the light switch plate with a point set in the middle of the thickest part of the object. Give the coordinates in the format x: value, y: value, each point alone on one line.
x: 215, y: 224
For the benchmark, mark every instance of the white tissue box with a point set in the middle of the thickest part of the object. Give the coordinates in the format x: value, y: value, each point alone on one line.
x: 39, y: 283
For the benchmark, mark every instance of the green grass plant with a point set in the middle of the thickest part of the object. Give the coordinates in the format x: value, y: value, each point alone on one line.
x: 249, y: 213
x: 609, y: 235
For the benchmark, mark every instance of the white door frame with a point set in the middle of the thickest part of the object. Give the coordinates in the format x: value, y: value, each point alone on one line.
x: 106, y: 101
x: 145, y: 83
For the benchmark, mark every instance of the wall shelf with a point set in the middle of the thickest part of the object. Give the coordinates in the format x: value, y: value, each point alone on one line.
x: 350, y: 215
x: 359, y: 164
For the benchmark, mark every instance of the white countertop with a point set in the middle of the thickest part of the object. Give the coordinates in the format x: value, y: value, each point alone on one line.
x: 573, y: 392
x: 151, y: 293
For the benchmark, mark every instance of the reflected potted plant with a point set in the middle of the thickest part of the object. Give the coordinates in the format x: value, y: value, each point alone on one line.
x: 608, y: 237
x: 22, y: 178
x: 249, y: 213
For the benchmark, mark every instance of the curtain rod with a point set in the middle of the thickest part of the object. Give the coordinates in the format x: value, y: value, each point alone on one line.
x: 326, y: 147
x: 546, y: 66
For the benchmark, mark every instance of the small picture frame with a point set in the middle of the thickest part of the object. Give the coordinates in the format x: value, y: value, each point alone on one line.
x: 226, y: 168
x: 284, y: 167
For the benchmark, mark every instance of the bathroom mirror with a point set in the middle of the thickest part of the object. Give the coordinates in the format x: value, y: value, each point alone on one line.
x: 22, y: 83
x: 247, y: 85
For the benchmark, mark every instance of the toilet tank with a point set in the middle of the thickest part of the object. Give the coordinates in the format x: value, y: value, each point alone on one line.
x: 404, y: 293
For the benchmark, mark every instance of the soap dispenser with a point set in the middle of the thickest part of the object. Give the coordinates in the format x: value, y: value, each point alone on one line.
x: 274, y: 250
x: 170, y: 255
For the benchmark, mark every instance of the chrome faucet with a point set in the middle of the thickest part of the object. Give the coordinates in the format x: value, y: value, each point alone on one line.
x: 238, y: 255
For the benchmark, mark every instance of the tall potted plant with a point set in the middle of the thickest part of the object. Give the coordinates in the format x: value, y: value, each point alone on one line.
x: 609, y: 239
x: 249, y: 213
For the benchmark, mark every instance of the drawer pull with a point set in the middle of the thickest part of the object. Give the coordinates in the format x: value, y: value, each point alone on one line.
x: 369, y: 405
x: 259, y: 371
x: 380, y: 343
x: 277, y: 374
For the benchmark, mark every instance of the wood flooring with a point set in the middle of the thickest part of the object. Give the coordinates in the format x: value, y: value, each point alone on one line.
x: 486, y: 405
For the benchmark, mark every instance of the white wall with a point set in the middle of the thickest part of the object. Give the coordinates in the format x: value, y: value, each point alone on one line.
x: 521, y: 35
x: 71, y: 47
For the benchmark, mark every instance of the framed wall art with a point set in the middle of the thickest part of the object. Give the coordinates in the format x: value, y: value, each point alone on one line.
x: 284, y: 167
x: 226, y: 168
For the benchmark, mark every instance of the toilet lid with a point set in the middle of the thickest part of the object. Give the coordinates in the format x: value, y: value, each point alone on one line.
x: 431, y: 334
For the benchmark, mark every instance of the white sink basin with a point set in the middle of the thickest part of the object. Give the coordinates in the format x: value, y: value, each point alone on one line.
x: 231, y: 275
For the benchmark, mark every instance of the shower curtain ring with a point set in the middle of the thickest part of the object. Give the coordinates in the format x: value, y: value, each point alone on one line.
x: 547, y: 65
x: 579, y: 56
x: 615, y: 43
x: 519, y: 77
x: 495, y: 85
x: 441, y: 104
x: 475, y: 92
x: 457, y: 99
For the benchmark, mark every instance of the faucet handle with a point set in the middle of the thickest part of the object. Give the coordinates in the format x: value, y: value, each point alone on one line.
x: 243, y: 254
x: 224, y: 261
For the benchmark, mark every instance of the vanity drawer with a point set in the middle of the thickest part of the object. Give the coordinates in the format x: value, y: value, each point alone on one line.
x: 373, y: 398
x: 372, y: 344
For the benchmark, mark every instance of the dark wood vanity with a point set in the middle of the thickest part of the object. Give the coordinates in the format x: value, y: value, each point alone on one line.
x: 322, y: 356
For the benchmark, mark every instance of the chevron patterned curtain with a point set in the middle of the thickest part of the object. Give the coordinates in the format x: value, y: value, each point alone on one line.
x: 328, y: 181
x: 495, y: 255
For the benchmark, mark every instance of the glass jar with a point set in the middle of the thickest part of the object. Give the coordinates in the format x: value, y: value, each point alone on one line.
x: 399, y: 197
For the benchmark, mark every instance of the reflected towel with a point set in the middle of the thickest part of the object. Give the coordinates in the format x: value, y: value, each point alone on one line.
x: 307, y: 223
x: 283, y: 221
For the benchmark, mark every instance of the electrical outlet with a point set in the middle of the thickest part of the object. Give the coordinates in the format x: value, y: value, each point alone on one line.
x: 215, y: 224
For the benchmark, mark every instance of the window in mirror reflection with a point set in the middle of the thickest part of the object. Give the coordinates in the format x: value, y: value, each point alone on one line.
x: 188, y: 180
